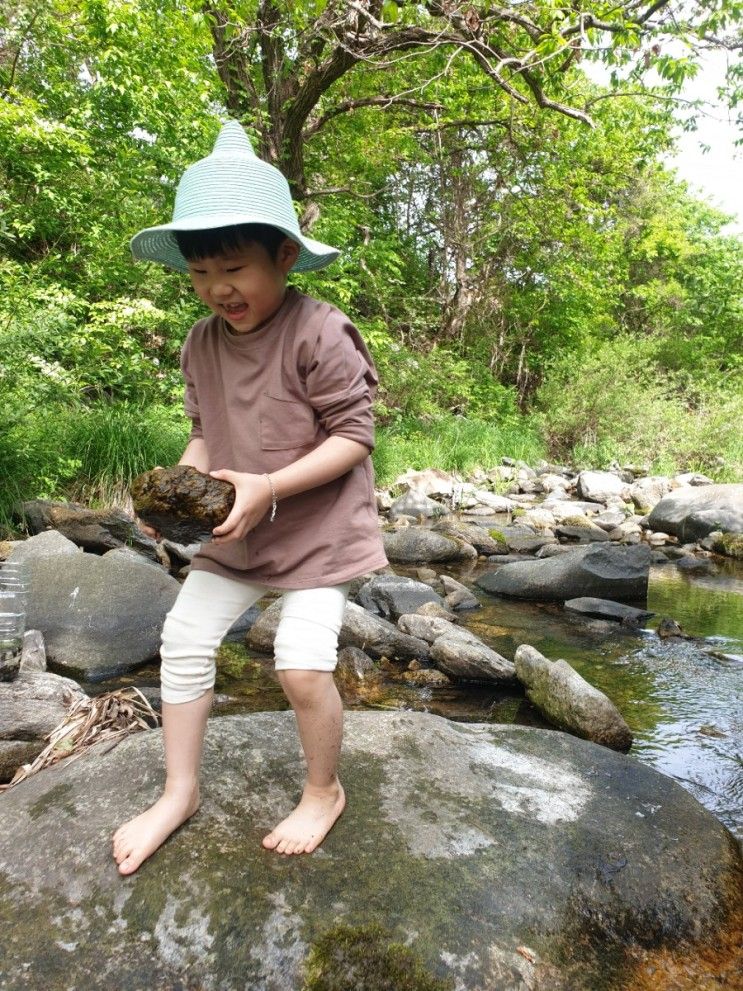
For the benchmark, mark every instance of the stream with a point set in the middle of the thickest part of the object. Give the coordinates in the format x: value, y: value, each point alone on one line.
x: 681, y: 698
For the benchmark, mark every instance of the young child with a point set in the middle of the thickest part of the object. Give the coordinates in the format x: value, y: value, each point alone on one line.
x: 279, y: 388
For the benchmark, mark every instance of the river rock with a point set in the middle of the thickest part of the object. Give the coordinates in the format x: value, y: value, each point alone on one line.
x: 458, y: 596
x: 582, y: 530
x: 646, y: 493
x: 600, y: 486
x: 362, y: 629
x: 182, y: 503
x: 30, y: 708
x: 391, y: 596
x: 606, y: 609
x: 496, y: 503
x: 415, y: 505
x: 100, y: 616
x: 458, y: 652
x: 95, y: 530
x: 490, y: 857
x: 568, y: 701
x: 416, y: 544
x: 692, y: 512
x: 729, y: 544
x: 692, y: 478
x: 48, y: 543
x: 430, y: 482
x: 484, y: 541
x: 604, y: 571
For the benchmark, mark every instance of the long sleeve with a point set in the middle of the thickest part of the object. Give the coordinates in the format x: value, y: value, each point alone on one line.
x: 341, y: 381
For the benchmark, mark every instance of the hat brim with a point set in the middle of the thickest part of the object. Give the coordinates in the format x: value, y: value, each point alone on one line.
x: 158, y: 244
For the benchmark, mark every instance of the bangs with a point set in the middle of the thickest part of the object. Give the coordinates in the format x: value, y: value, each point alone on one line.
x: 195, y: 245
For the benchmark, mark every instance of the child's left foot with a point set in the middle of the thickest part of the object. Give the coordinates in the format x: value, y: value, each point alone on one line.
x: 310, y: 822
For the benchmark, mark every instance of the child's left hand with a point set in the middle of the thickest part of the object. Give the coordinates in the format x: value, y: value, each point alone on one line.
x: 252, y: 502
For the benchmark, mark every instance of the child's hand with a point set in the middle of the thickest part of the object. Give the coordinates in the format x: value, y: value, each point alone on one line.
x: 252, y: 502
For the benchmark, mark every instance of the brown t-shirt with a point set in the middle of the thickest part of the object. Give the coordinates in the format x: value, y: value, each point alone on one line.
x: 264, y: 399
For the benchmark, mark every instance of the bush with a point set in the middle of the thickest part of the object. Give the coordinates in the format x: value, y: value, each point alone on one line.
x: 620, y: 402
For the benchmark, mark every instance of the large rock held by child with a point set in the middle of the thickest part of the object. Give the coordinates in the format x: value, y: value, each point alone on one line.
x: 181, y: 502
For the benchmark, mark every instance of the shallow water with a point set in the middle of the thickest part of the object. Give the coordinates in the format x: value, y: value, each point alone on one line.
x: 683, y: 704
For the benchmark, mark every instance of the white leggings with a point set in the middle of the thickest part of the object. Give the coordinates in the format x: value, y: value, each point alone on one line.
x: 208, y: 605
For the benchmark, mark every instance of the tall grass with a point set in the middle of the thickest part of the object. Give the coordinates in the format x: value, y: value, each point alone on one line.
x: 453, y: 444
x: 89, y: 454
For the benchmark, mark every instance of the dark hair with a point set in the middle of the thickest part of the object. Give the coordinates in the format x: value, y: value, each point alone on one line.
x: 195, y: 245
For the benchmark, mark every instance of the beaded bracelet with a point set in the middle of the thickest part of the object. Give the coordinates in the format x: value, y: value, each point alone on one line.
x: 273, y: 498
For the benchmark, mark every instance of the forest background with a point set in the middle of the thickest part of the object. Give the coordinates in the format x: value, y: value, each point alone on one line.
x: 531, y: 279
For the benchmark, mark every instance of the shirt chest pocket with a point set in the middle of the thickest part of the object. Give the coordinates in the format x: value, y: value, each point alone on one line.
x: 286, y: 424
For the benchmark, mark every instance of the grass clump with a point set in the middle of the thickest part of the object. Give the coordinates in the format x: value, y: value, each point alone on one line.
x: 453, y: 443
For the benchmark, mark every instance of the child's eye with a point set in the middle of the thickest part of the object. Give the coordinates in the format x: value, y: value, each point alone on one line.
x: 236, y: 269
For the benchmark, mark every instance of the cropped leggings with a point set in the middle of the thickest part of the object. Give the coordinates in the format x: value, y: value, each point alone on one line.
x: 208, y: 605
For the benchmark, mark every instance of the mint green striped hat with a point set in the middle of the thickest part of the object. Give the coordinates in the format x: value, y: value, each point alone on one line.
x: 230, y: 186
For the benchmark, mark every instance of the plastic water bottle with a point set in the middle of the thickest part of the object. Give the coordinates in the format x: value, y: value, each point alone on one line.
x: 14, y: 590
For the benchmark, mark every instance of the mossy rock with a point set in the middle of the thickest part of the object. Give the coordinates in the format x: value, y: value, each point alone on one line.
x: 469, y: 855
x: 729, y: 544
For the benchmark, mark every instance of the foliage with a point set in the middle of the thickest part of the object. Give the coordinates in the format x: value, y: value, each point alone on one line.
x: 493, y: 251
x: 620, y: 402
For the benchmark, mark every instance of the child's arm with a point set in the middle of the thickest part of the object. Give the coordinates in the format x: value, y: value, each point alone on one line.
x: 195, y: 455
x: 333, y: 458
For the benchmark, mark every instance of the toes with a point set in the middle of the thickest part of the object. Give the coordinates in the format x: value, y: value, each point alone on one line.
x: 282, y: 846
x: 270, y: 841
x: 128, y: 866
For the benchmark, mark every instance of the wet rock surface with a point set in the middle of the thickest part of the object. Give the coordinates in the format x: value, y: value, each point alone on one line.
x: 100, y: 616
x: 182, y: 503
x: 524, y: 838
x: 695, y: 511
x: 95, y: 530
x: 598, y: 570
x: 569, y: 702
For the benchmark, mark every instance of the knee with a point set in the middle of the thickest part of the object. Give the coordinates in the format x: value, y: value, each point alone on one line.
x: 305, y: 688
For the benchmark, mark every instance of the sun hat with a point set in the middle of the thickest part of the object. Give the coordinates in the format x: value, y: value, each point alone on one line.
x: 230, y: 186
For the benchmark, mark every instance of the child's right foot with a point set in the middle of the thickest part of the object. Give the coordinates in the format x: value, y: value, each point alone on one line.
x: 140, y: 837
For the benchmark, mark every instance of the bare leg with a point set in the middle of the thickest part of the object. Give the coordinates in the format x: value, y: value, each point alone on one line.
x: 319, y: 711
x: 184, y: 724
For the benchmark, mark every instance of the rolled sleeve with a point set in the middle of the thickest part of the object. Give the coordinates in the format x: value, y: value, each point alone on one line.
x: 341, y: 381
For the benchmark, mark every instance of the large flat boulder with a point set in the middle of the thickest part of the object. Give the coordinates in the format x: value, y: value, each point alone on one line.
x: 694, y: 511
x: 500, y: 857
x: 100, y: 616
x: 603, y: 571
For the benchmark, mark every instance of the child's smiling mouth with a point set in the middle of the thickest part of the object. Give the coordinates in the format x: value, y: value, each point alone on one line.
x: 235, y: 309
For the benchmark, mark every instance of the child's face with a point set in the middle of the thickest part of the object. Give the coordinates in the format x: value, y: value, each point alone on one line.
x: 244, y: 285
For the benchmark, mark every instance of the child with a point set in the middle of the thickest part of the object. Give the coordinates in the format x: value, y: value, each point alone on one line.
x: 279, y: 388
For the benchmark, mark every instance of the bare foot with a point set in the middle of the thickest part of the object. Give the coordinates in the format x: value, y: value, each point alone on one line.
x: 137, y: 839
x: 308, y: 825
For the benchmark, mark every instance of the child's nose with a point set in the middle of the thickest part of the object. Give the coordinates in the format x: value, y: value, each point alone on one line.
x: 221, y: 290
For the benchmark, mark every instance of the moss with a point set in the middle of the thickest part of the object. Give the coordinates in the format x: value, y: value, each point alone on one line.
x: 498, y: 535
x: 232, y: 659
x: 730, y: 544
x: 517, y: 511
x: 366, y: 958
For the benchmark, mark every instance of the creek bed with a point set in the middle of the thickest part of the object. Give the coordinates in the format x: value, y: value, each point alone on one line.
x: 683, y: 703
